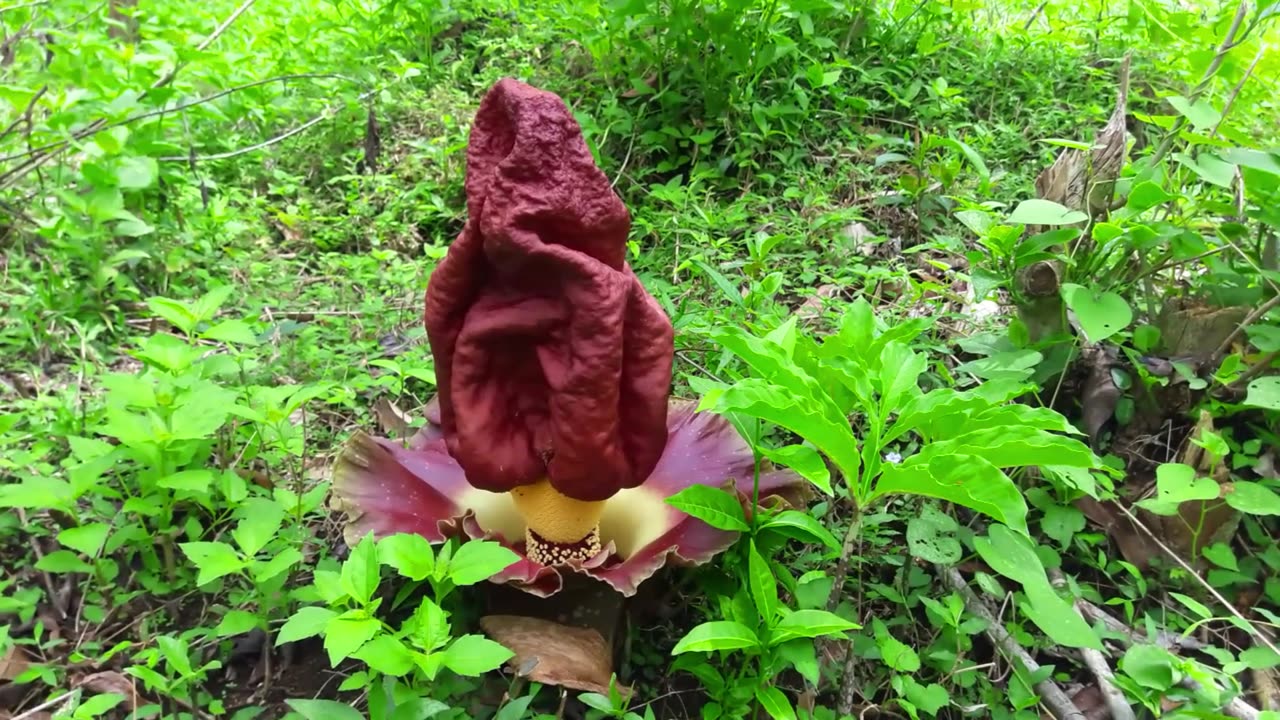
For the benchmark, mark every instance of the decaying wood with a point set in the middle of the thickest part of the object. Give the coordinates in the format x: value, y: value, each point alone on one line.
x: 1050, y: 694
x: 1078, y: 181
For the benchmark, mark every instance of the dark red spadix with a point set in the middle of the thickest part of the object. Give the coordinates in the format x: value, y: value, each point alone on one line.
x: 552, y: 359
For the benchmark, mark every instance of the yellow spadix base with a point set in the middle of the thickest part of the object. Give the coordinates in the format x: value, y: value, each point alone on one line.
x: 559, y: 528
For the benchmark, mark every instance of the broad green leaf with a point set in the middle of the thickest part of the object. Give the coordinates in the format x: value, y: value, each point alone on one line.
x: 1177, y: 483
x: 324, y: 710
x: 478, y: 560
x: 1014, y: 446
x: 63, y: 561
x: 809, y: 624
x: 175, y: 312
x: 236, y: 332
x: 195, y: 481
x: 899, y: 374
x: 136, y: 173
x: 818, y: 424
x: 1146, y: 195
x: 895, y: 653
x: 1151, y: 667
x: 284, y: 560
x: 86, y: 539
x: 764, y: 588
x: 473, y: 655
x: 803, y: 656
x: 411, y: 555
x: 1010, y: 554
x: 214, y: 560
x: 260, y: 520
x: 387, y: 655
x: 804, y: 460
x: 307, y: 622
x: 717, y: 635
x: 963, y: 479
x: 713, y: 506
x: 37, y: 493
x: 802, y: 526
x: 236, y: 622
x: 1057, y: 618
x: 1264, y: 393
x: 775, y: 702
x: 1202, y: 114
x: 347, y: 633
x: 730, y: 291
x: 1062, y: 522
x: 360, y: 572
x: 1101, y: 315
x: 1253, y: 498
x: 1037, y: 211
x: 767, y: 358
x: 930, y: 698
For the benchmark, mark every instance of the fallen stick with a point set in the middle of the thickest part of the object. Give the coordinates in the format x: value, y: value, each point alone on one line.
x: 1164, y: 638
x: 1097, y: 664
x: 1051, y: 695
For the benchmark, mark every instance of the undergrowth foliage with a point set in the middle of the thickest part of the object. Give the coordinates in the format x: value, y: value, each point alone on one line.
x: 1040, y: 419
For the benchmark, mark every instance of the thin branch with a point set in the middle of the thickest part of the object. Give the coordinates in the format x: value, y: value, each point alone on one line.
x: 19, y: 6
x: 324, y: 115
x: 43, y: 706
x: 1249, y: 319
x: 1260, y: 637
x: 1097, y: 664
x: 1228, y: 43
x: 1051, y: 695
x: 1235, y: 92
x: 1263, y: 364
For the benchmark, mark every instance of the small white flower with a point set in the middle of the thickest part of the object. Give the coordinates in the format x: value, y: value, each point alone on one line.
x: 892, y: 457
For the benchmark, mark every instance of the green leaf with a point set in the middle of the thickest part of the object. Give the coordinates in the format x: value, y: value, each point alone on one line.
x: 717, y: 635
x: 1062, y: 522
x: 175, y: 312
x: 964, y: 479
x: 764, y: 588
x: 1151, y: 667
x: 260, y: 520
x: 1146, y: 195
x: 411, y: 555
x: 478, y: 560
x: 802, y: 526
x: 809, y: 624
x: 1058, y: 618
x: 930, y: 698
x: 895, y: 653
x: 804, y: 460
x: 715, y: 507
x: 387, y: 655
x: 1201, y: 114
x: 1037, y: 211
x: 136, y: 173
x: 1253, y: 498
x: 803, y: 656
x: 236, y: 622
x: 932, y: 536
x: 730, y: 291
x: 1010, y: 554
x: 1264, y: 393
x: 324, y: 710
x: 236, y: 332
x: 817, y: 420
x: 98, y: 705
x: 775, y: 702
x: 1101, y: 315
x: 63, y: 561
x: 307, y: 622
x: 195, y: 481
x: 360, y: 571
x: 214, y: 560
x: 473, y: 655
x: 285, y: 559
x: 1177, y: 483
x: 86, y: 539
x: 347, y: 633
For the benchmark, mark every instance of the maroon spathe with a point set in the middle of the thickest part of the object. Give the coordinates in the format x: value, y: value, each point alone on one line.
x: 552, y: 359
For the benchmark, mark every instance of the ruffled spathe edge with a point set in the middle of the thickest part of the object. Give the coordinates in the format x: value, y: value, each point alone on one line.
x: 386, y: 488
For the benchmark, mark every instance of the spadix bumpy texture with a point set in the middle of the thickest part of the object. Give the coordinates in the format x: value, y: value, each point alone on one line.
x: 552, y: 430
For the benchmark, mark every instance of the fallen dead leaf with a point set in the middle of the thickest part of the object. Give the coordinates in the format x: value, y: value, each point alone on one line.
x: 110, y: 681
x: 812, y: 306
x: 1100, y: 394
x: 555, y: 654
x: 12, y: 664
x: 391, y: 419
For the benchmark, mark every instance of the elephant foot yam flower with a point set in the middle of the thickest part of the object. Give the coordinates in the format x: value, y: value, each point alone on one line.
x: 553, y: 429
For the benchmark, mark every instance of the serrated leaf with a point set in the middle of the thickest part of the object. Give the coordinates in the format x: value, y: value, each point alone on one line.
x: 214, y: 560
x: 360, y: 573
x: 86, y: 539
x: 236, y: 622
x: 307, y: 622
x: 478, y: 560
x: 63, y: 561
x: 411, y: 555
x: 473, y: 655
x: 347, y: 633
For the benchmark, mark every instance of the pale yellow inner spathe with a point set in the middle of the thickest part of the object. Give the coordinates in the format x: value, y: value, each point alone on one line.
x: 556, y: 517
x: 630, y: 520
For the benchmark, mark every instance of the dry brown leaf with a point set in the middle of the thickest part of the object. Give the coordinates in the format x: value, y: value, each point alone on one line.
x: 1100, y: 393
x: 12, y: 664
x: 555, y: 654
x: 391, y: 419
x: 813, y: 305
x: 110, y: 681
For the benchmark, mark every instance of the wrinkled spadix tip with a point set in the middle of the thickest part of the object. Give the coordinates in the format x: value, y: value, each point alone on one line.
x: 552, y: 360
